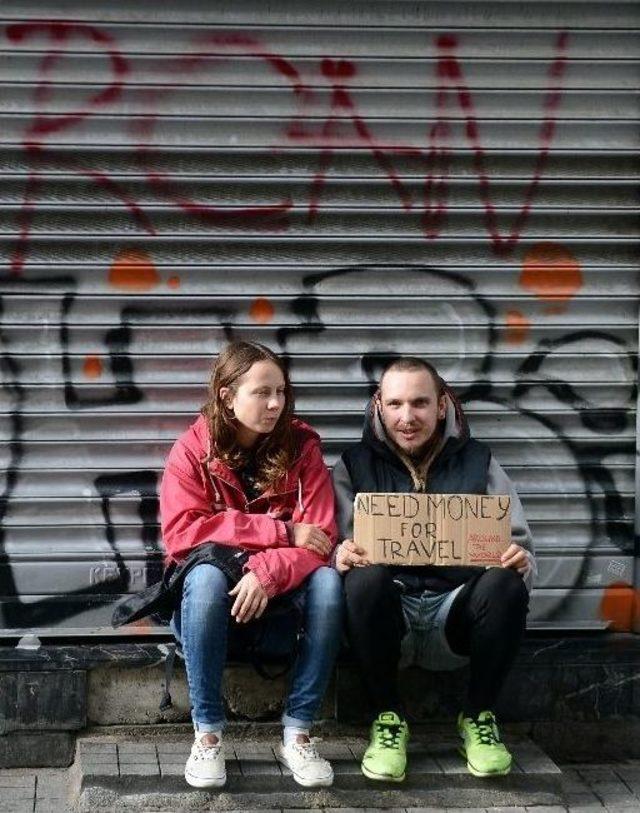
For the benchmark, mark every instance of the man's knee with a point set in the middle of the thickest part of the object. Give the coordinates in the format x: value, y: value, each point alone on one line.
x: 507, y: 586
x: 368, y: 583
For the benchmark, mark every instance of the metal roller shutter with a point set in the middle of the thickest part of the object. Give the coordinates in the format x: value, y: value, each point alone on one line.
x: 457, y: 180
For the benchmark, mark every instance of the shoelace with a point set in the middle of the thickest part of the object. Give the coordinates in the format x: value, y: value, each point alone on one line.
x: 388, y: 735
x: 307, y: 749
x: 207, y: 751
x: 485, y: 733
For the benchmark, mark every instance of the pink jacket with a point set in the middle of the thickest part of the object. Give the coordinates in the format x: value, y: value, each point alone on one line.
x: 202, y: 502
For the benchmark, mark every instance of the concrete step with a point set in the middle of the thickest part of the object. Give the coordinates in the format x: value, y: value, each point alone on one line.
x: 148, y: 775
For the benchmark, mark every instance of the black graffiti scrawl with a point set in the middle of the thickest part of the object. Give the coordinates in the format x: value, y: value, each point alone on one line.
x: 216, y: 182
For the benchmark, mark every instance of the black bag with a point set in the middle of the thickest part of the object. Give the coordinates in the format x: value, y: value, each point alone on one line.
x: 272, y: 638
x: 161, y: 599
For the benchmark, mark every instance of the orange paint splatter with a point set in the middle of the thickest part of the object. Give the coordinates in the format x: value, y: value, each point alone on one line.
x: 518, y: 327
x: 262, y: 311
x: 552, y: 273
x: 92, y: 367
x: 620, y: 607
x: 174, y: 281
x: 133, y: 270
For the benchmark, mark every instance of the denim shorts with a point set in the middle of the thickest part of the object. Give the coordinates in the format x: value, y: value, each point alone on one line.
x: 425, y: 644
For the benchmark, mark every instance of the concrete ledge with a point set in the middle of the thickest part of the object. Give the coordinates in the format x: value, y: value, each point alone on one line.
x: 558, y: 686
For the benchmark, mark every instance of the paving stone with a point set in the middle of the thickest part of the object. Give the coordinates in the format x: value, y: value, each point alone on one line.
x: 451, y: 763
x: 99, y: 757
x: 630, y: 775
x: 532, y: 759
x: 546, y: 809
x: 582, y: 801
x: 178, y: 746
x: 138, y: 759
x: 96, y: 747
x: 423, y: 763
x: 334, y: 750
x: 17, y: 793
x: 139, y: 769
x: 137, y: 748
x: 339, y: 755
x: 358, y: 749
x: 101, y: 769
x: 241, y: 749
x: 620, y: 808
x: 588, y: 808
x: 17, y: 781
x: 571, y: 780
x: 16, y: 805
x: 252, y: 764
x: 342, y: 767
x: 608, y: 787
x: 52, y: 806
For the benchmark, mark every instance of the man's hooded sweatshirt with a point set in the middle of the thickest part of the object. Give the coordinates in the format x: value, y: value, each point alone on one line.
x: 456, y: 464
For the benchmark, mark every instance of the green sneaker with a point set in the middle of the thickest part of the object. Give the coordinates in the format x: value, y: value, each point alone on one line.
x: 386, y: 757
x: 485, y: 753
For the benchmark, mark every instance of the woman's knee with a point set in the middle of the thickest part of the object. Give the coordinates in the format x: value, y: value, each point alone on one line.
x: 325, y: 582
x: 205, y: 584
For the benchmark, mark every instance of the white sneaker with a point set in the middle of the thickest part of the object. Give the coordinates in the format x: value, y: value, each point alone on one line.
x: 205, y: 767
x: 305, y: 763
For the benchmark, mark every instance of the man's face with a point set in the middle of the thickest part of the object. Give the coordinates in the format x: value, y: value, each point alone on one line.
x: 410, y: 408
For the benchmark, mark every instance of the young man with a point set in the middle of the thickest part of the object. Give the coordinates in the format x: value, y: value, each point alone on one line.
x: 416, y: 439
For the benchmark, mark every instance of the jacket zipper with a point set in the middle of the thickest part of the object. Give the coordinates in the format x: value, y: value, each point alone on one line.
x: 247, y: 503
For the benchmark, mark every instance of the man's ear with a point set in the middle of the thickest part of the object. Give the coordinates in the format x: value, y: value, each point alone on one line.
x: 442, y: 407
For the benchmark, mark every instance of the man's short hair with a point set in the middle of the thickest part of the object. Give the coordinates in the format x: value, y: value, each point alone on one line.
x: 408, y: 364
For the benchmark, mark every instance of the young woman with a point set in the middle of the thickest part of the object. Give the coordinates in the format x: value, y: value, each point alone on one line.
x: 248, y: 474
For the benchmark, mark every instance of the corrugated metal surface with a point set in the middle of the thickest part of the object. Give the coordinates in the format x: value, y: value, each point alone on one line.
x: 345, y: 182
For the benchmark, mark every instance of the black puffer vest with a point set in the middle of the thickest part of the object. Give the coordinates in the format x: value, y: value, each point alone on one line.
x: 461, y: 467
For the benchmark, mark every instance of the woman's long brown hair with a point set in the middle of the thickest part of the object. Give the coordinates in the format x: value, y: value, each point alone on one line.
x: 274, y: 452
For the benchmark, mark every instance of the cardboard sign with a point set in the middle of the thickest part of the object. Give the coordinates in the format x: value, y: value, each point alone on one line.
x: 432, y: 529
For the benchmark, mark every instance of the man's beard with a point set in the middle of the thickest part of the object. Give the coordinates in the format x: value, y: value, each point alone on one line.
x: 419, y: 454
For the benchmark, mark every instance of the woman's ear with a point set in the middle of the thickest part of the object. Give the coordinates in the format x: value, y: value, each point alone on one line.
x: 226, y: 396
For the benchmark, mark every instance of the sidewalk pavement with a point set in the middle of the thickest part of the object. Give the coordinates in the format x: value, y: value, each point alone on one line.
x: 608, y: 787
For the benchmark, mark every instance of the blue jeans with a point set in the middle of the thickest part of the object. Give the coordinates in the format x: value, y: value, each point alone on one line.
x: 425, y: 644
x: 201, y: 625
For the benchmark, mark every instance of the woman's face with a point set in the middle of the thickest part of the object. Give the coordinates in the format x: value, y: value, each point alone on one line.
x: 257, y: 401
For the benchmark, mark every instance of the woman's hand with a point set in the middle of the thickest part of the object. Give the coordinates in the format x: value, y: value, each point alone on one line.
x: 251, y: 598
x: 516, y: 557
x: 350, y: 555
x: 312, y: 538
